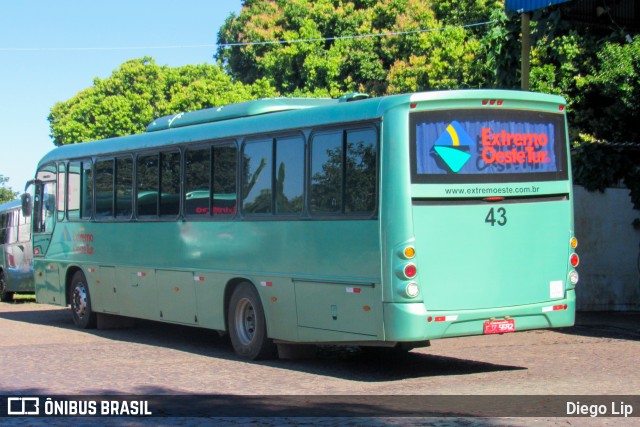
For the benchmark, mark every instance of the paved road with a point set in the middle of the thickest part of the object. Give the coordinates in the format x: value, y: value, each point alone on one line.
x: 43, y: 354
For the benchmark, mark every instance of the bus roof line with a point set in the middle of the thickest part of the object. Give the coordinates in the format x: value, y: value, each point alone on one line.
x: 236, y: 111
x: 10, y: 205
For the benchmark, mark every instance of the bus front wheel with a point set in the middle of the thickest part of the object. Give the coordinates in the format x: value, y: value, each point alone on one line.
x: 247, y: 324
x: 83, y: 315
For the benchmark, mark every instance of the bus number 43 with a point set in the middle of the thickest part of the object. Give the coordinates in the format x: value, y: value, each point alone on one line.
x: 496, y: 216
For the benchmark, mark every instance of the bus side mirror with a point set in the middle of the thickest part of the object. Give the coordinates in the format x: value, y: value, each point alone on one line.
x: 27, y: 204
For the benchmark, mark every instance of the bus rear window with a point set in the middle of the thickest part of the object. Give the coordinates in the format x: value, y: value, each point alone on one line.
x: 478, y: 146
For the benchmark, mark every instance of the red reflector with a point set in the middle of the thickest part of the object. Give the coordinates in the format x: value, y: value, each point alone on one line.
x: 441, y: 318
x: 410, y: 271
x: 493, y: 199
x: 574, y: 260
x: 558, y: 307
x: 413, y: 105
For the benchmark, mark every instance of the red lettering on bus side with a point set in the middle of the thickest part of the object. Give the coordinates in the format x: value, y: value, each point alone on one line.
x: 491, y: 155
x: 543, y: 139
x: 486, y: 137
x: 504, y: 138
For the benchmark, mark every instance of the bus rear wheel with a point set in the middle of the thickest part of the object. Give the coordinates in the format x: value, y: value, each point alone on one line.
x: 247, y: 324
x: 5, y: 296
x: 83, y: 315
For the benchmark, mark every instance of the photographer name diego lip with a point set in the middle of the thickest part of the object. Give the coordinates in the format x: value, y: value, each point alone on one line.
x: 618, y: 409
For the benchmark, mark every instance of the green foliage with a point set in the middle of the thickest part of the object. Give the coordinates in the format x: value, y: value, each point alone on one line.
x: 139, y: 91
x: 377, y: 65
x: 501, y: 47
x: 609, y: 106
x: 6, y: 193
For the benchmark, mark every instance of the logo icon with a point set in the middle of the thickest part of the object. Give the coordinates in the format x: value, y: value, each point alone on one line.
x: 23, y: 406
x: 453, y: 146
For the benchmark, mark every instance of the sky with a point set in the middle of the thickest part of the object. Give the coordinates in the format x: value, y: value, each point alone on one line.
x: 51, y: 50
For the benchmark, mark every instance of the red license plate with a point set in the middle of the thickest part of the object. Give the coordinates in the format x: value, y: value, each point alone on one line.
x: 499, y: 326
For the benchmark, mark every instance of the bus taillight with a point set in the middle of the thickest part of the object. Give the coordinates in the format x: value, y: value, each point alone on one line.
x: 412, y: 290
x: 573, y: 277
x: 409, y: 252
x: 410, y: 271
x: 574, y: 259
x: 574, y: 242
x: 494, y: 199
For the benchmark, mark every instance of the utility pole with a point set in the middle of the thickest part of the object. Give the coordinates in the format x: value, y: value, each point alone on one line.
x: 524, y: 8
x: 526, y: 50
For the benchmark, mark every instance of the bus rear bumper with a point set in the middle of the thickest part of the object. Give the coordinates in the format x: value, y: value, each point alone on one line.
x: 413, y: 322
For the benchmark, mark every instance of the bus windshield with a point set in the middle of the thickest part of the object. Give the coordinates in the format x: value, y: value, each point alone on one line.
x: 487, y: 146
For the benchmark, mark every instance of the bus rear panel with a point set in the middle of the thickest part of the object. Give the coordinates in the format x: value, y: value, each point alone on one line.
x: 489, y: 231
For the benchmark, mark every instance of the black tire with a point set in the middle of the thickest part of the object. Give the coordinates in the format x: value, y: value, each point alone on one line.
x: 80, y: 301
x: 247, y: 325
x: 5, y: 296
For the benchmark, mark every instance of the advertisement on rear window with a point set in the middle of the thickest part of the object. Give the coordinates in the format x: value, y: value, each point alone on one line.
x: 502, y: 146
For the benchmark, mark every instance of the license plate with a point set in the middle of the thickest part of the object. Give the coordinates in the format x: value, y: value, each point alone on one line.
x: 499, y: 326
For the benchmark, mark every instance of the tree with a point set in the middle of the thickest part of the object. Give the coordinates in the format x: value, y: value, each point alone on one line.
x: 6, y: 193
x: 609, y: 108
x: 354, y: 46
x: 139, y: 91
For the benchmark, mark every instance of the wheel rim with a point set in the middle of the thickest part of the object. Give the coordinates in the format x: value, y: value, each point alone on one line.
x: 79, y: 300
x: 245, y: 321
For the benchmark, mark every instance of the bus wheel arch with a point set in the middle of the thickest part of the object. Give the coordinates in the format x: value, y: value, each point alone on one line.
x: 79, y: 298
x: 246, y: 321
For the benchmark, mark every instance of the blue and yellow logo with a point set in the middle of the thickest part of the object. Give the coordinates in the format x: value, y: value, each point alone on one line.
x: 453, y: 146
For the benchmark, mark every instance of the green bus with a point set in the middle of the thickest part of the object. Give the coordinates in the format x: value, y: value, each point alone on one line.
x: 383, y: 222
x: 16, y: 269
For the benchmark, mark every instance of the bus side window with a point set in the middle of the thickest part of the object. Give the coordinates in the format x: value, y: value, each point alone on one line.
x: 24, y: 228
x: 225, y: 165
x: 326, y: 172
x: 62, y: 191
x: 73, y: 191
x: 361, y: 171
x: 148, y: 185
x: 124, y: 187
x: 104, y: 188
x: 170, y: 183
x: 289, y: 172
x: 87, y: 190
x: 256, y: 178
x: 47, y: 197
x: 4, y: 224
x: 197, y: 175
x: 13, y: 227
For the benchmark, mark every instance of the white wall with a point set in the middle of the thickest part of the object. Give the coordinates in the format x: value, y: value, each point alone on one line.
x: 608, y: 248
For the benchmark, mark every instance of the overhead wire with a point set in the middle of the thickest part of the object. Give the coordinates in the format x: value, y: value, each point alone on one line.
x: 241, y: 44
x: 356, y: 36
